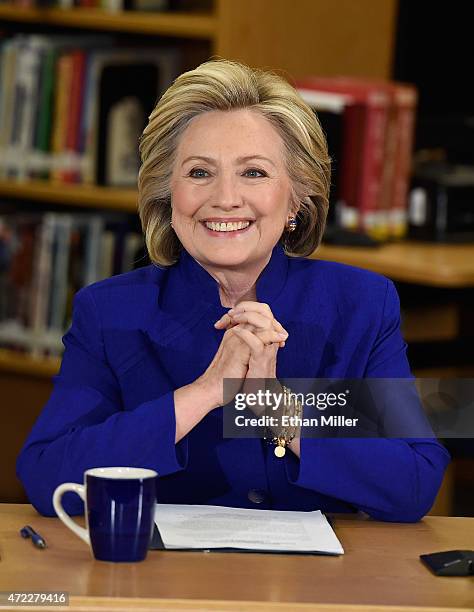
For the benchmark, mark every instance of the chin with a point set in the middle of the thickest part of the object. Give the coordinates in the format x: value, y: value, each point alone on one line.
x: 228, y: 257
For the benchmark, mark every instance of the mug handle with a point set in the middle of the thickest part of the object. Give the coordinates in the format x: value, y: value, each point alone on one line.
x: 62, y: 514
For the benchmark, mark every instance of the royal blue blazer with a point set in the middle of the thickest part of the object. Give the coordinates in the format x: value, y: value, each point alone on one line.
x: 137, y: 337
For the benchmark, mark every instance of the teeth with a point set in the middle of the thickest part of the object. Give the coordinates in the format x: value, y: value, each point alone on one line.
x: 227, y: 227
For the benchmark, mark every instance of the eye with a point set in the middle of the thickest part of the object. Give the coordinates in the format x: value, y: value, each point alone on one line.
x: 202, y: 173
x: 261, y: 172
x: 191, y: 173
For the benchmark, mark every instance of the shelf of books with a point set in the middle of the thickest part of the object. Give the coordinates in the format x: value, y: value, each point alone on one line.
x: 185, y: 24
x: 369, y: 125
x: 45, y: 258
x: 96, y: 196
x: 73, y: 106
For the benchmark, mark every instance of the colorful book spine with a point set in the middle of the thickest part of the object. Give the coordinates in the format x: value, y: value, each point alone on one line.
x: 378, y: 139
x: 72, y: 173
x: 45, y: 116
x: 10, y: 50
x: 406, y: 98
x: 64, y: 69
x: 42, y: 279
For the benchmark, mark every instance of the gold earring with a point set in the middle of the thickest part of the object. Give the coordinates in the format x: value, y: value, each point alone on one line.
x: 291, y: 225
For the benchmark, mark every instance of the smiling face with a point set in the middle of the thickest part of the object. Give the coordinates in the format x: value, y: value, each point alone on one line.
x: 230, y: 167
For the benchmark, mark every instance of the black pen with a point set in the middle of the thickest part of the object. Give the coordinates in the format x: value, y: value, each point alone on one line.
x: 29, y: 532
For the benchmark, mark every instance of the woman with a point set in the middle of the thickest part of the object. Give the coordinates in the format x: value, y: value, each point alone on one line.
x: 233, y: 193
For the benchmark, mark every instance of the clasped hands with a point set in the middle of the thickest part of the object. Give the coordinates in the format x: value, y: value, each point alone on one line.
x: 255, y: 325
x: 247, y: 351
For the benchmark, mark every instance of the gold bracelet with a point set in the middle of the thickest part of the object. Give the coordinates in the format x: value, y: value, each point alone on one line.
x: 285, y: 438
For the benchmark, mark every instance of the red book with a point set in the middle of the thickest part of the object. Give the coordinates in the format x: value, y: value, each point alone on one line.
x: 406, y: 98
x: 75, y: 109
x: 366, y: 116
x: 398, y: 153
x: 349, y: 184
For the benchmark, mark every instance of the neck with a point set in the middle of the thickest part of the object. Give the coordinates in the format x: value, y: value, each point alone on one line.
x: 237, y: 285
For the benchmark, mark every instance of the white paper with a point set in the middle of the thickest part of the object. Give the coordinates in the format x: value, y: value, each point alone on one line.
x: 207, y: 527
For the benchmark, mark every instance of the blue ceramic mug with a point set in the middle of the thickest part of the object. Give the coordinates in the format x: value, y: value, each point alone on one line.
x: 119, y: 508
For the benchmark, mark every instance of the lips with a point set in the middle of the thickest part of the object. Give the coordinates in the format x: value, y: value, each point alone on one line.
x: 228, y: 233
x: 223, y: 225
x: 218, y: 220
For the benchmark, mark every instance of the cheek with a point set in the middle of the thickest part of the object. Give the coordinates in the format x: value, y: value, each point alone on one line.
x: 273, y: 208
x: 272, y: 198
x: 184, y: 200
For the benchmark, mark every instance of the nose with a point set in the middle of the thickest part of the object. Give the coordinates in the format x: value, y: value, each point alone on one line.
x: 227, y: 194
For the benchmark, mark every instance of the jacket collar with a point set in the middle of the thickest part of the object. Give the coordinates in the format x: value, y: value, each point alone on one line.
x: 188, y: 292
x: 190, y: 281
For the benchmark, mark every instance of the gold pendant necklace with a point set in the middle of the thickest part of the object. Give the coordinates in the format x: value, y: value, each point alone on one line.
x: 280, y: 451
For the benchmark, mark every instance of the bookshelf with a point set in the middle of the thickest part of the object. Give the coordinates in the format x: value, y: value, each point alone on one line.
x: 16, y: 363
x: 243, y: 30
x: 189, y: 24
x: 352, y: 38
x: 435, y: 265
x: 112, y: 198
x: 424, y: 265
x: 314, y: 37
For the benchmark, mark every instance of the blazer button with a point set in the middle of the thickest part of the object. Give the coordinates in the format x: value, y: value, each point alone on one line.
x: 257, y: 496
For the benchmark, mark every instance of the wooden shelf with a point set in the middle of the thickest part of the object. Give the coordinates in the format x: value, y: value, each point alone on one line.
x: 115, y: 198
x: 190, y: 25
x: 436, y: 265
x: 16, y: 363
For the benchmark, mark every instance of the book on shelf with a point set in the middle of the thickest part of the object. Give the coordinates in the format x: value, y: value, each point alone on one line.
x: 73, y: 107
x: 110, y: 6
x: 376, y: 119
x: 28, y: 91
x: 125, y: 86
x: 45, y: 259
x: 132, y: 5
x: 406, y: 99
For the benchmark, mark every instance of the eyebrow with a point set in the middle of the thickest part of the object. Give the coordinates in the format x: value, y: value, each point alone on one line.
x: 212, y: 161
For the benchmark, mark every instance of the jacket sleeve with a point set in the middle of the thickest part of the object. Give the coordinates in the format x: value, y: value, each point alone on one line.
x: 389, y: 479
x: 83, y: 425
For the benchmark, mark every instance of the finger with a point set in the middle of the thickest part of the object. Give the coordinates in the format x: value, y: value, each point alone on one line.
x: 279, y: 327
x: 258, y: 307
x: 252, y: 341
x: 249, y: 306
x: 258, y: 321
x: 271, y: 336
x: 258, y: 341
x: 254, y: 318
x: 229, y: 319
x: 224, y: 321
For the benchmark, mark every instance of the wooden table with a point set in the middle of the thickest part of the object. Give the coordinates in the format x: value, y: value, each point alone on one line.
x: 380, y: 568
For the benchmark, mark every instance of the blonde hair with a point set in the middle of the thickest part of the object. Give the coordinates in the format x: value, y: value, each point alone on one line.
x: 225, y: 85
